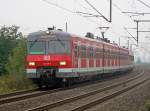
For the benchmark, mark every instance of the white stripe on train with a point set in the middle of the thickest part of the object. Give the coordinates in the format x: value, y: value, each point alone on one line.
x: 77, y: 72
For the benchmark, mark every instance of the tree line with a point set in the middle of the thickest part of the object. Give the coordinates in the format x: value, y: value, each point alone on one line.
x: 12, y: 60
x: 12, y: 50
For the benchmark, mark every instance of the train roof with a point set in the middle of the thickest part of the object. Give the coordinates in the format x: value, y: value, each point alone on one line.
x: 61, y: 35
x: 48, y: 35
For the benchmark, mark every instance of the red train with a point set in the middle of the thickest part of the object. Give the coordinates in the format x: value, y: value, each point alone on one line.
x: 55, y: 56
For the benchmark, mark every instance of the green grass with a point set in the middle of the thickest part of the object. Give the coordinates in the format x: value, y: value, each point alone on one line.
x: 147, y: 105
x: 10, y: 83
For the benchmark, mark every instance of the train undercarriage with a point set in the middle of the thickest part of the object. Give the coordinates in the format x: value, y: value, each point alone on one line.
x: 46, y: 77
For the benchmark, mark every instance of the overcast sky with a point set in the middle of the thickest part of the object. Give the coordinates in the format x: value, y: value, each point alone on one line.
x: 34, y: 15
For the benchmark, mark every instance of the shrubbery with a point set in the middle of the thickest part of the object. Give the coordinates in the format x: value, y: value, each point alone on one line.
x: 14, y: 75
x: 147, y: 105
x: 10, y: 83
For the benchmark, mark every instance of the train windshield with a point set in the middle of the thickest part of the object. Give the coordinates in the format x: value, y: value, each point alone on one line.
x: 37, y: 47
x: 58, y: 47
x: 51, y: 47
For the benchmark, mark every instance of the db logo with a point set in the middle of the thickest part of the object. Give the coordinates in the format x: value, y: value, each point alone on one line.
x: 46, y: 58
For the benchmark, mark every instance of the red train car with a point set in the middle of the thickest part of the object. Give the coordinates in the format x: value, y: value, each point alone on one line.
x: 58, y: 57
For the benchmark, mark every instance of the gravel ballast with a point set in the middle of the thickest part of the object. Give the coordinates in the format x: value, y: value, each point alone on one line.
x: 132, y: 100
x: 37, y: 101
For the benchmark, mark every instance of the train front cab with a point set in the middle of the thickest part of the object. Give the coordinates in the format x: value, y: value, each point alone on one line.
x: 47, y: 57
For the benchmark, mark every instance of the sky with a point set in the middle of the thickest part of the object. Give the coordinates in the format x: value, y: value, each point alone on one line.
x: 34, y: 15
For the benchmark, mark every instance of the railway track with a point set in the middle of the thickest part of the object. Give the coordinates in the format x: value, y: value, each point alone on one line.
x: 17, y: 93
x: 77, y: 103
x: 21, y: 95
x: 8, y: 98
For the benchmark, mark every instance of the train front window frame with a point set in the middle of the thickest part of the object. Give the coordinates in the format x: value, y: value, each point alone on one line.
x: 49, y: 47
x: 59, y: 47
x: 36, y: 47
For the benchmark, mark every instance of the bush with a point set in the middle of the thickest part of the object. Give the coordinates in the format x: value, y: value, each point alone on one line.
x: 11, y: 83
x: 147, y: 105
x: 15, y: 79
x: 8, y: 41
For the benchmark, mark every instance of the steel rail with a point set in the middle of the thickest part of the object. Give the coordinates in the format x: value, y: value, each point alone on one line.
x: 26, y: 94
x: 16, y: 93
x: 71, y: 99
x: 108, y: 97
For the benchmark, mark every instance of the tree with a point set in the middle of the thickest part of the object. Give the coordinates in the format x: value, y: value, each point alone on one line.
x: 12, y: 60
x: 16, y: 61
x: 16, y: 78
x: 16, y: 67
x: 8, y: 40
x: 10, y: 32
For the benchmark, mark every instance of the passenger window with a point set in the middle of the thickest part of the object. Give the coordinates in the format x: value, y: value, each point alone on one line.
x: 83, y: 51
x: 91, y: 52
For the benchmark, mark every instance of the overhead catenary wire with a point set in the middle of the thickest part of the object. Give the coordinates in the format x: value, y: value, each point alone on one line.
x: 97, y: 10
x: 118, y: 8
x: 87, y: 9
x: 87, y: 14
x: 74, y: 12
x: 125, y: 14
x: 130, y: 16
x: 56, y: 5
x: 68, y: 10
x: 144, y: 3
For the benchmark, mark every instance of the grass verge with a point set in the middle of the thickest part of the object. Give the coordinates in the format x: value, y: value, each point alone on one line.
x: 146, y: 105
x: 10, y: 83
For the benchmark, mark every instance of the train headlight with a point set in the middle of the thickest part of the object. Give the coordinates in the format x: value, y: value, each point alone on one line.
x: 62, y: 63
x: 47, y: 32
x: 31, y: 64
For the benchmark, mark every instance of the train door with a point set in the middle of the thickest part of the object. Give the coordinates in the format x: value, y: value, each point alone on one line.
x: 87, y: 57
x: 91, y: 57
x: 94, y: 57
x: 77, y: 60
x: 79, y: 56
